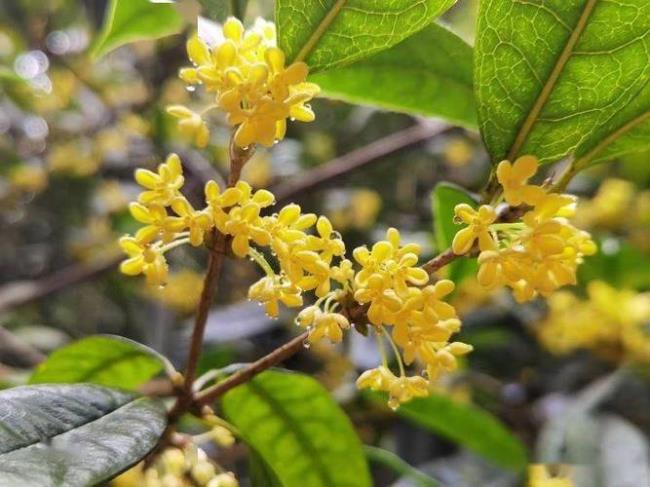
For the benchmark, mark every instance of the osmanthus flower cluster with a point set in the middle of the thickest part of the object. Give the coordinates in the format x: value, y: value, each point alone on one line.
x: 537, y: 254
x: 611, y: 322
x: 308, y: 256
x: 251, y: 83
x: 176, y: 467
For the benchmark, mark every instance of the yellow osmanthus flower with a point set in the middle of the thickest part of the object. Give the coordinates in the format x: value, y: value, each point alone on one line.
x: 400, y: 389
x: 513, y: 178
x: 162, y: 186
x: 251, y: 82
x: 478, y: 228
x: 322, y: 324
x: 535, y: 255
x: 309, y: 255
x: 611, y: 322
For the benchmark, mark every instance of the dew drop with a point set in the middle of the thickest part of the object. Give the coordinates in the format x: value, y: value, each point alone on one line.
x: 190, y: 88
x: 457, y: 220
x: 306, y: 343
x: 293, y: 119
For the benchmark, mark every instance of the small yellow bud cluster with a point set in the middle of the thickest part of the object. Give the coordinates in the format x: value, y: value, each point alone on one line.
x: 251, y: 82
x: 535, y: 255
x: 611, y: 322
x: 185, y: 468
x: 398, y: 294
x: 309, y: 256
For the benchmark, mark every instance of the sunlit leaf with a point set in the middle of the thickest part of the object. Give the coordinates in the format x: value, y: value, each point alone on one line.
x: 73, y: 435
x: 331, y: 33
x: 100, y: 360
x: 563, y: 76
x: 298, y: 430
x: 407, y: 78
x: 135, y: 20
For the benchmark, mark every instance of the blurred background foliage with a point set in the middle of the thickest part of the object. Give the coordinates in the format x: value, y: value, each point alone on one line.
x: 73, y: 130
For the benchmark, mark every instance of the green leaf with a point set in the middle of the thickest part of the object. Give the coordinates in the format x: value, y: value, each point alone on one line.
x: 467, y: 425
x: 559, y: 77
x: 408, y: 78
x: 331, y: 33
x: 298, y: 430
x: 444, y: 198
x: 260, y: 473
x: 101, y: 360
x: 395, y: 463
x: 73, y: 435
x: 135, y: 20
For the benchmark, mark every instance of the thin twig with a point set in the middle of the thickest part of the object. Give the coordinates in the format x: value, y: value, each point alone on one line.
x: 280, y: 354
x: 439, y: 261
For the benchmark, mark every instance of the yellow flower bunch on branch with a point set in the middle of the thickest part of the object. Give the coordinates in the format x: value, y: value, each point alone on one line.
x: 251, y: 83
x: 308, y: 256
x: 537, y: 254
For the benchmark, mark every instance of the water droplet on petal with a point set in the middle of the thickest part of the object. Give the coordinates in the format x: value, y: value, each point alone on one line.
x: 306, y: 343
x: 190, y: 88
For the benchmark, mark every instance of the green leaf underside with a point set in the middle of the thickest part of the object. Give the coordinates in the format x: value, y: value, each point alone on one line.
x: 99, y: 360
x: 291, y: 421
x: 444, y: 199
x: 134, y: 20
x: 331, y: 33
x: 559, y: 77
x: 409, y: 78
x: 73, y: 435
x: 468, y: 426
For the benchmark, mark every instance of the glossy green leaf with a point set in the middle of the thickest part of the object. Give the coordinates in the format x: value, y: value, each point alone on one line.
x: 408, y: 78
x: 100, y: 360
x: 331, y: 33
x: 295, y: 426
x: 467, y: 425
x: 73, y: 435
x: 399, y: 466
x: 444, y: 199
x: 559, y: 77
x: 135, y: 20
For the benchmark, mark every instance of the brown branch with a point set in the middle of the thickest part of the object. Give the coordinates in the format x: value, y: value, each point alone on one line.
x: 238, y: 157
x: 357, y: 159
x: 280, y: 354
